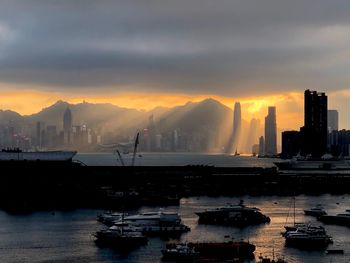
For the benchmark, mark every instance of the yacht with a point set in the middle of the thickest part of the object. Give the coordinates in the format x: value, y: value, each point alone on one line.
x: 159, y: 217
x: 108, y: 218
x: 237, y: 215
x: 116, y: 237
x: 169, y: 230
x: 314, y: 237
x: 315, y: 211
x: 339, y: 219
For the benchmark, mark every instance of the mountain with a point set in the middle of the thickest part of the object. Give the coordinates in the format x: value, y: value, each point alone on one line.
x: 206, y: 124
x: 93, y: 115
x: 208, y: 120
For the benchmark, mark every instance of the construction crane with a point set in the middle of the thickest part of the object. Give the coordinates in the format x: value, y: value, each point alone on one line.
x: 135, y: 149
x: 120, y: 157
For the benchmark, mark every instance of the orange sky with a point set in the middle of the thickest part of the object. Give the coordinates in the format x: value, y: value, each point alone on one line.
x: 289, y: 105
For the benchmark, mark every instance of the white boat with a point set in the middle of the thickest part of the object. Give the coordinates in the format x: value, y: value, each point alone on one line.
x: 19, y: 155
x: 159, y: 217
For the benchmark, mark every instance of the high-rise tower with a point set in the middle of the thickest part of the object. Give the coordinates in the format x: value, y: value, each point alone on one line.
x: 237, y: 122
x: 67, y: 126
x: 315, y: 130
x: 271, y: 132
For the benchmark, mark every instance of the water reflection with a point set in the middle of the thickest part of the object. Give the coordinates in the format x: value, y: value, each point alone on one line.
x: 66, y: 236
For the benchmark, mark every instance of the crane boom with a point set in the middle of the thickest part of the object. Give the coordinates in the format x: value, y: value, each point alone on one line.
x: 135, y: 149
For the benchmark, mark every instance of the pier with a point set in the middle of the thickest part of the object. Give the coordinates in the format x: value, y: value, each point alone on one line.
x: 41, y: 185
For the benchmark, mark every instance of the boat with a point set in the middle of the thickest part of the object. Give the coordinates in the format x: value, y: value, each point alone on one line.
x: 180, y: 253
x: 315, y: 211
x: 159, y: 217
x: 325, y: 163
x: 117, y: 238
x: 235, y: 215
x: 342, y: 219
x: 209, y: 251
x: 334, y: 251
x: 167, y: 230
x: 16, y: 154
x: 108, y: 218
x: 308, y: 237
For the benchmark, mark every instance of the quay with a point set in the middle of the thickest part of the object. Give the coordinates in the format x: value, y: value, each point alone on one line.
x: 46, y: 185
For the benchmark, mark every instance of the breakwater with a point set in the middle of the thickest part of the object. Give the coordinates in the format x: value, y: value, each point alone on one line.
x: 41, y: 185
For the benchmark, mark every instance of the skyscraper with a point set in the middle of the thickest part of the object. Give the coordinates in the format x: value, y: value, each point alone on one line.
x: 67, y: 126
x: 315, y: 130
x: 332, y: 116
x: 271, y: 132
x: 261, y: 146
x: 67, y: 120
x: 237, y: 122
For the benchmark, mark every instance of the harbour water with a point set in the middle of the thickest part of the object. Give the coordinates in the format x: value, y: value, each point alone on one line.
x: 175, y: 159
x: 65, y: 236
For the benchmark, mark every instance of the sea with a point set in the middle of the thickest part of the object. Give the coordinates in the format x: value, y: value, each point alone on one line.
x: 67, y: 236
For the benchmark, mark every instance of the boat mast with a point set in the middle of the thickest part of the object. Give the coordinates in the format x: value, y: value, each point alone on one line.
x: 294, y: 209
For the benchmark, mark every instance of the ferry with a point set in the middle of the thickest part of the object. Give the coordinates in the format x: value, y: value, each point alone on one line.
x: 17, y: 154
x: 326, y: 163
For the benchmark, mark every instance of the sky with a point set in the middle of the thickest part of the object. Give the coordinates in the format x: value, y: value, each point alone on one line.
x: 143, y: 54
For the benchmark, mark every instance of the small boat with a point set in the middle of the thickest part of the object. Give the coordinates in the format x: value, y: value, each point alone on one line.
x: 334, y: 251
x: 180, y: 253
x: 210, y: 251
x: 153, y: 229
x: 116, y: 238
x: 315, y: 211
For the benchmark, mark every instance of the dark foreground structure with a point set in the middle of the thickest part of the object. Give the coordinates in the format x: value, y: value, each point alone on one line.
x: 50, y: 185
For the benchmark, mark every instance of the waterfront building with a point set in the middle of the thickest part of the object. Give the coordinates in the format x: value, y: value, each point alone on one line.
x: 290, y: 143
x: 315, y: 130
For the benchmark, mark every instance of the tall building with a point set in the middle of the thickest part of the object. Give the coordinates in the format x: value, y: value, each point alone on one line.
x: 67, y: 126
x: 315, y: 130
x: 237, y: 122
x: 332, y: 119
x: 271, y: 132
x: 261, y: 146
x: 290, y: 144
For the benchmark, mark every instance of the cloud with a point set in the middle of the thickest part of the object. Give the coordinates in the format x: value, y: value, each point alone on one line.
x: 224, y: 47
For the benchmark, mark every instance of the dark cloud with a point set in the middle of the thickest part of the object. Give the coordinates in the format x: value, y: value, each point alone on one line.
x: 225, y: 47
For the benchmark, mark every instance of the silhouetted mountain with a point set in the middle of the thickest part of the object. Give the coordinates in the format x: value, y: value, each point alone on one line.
x: 10, y: 116
x: 93, y: 115
x: 207, y: 123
